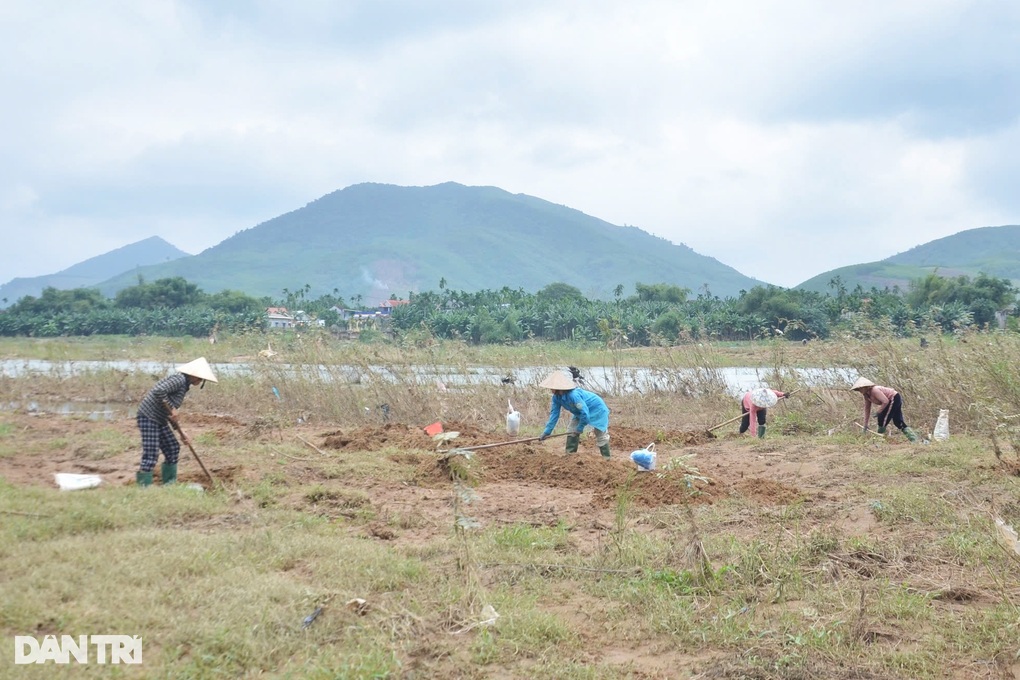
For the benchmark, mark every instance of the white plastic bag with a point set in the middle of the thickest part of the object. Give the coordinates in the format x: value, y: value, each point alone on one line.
x: 941, y: 431
x: 69, y: 481
x: 513, y: 420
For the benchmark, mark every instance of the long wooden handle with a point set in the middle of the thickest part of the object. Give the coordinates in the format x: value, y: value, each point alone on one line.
x: 869, y: 431
x: 727, y: 422
x: 212, y: 480
x: 492, y: 446
x: 187, y: 441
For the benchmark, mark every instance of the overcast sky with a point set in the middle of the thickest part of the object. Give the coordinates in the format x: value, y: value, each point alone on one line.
x: 782, y: 137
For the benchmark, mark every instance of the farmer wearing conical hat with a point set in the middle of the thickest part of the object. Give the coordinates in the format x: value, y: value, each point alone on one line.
x: 157, y: 410
x: 889, y: 403
x: 754, y: 405
x: 586, y: 408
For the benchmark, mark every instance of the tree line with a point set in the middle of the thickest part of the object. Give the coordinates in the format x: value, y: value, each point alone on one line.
x: 170, y: 307
x: 659, y: 313
x: 655, y: 313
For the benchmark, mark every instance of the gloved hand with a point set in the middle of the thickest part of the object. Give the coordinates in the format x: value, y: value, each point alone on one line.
x: 881, y: 429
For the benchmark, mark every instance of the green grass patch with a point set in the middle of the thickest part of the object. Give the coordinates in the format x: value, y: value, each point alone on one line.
x: 912, y: 504
x: 7, y: 444
x: 520, y: 539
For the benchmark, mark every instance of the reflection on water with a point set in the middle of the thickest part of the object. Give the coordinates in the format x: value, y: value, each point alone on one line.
x: 91, y: 410
x: 605, y: 380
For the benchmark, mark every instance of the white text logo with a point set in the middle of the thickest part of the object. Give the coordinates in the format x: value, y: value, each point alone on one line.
x: 107, y: 648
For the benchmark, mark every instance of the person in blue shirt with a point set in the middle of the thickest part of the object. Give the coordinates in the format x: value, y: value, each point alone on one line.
x: 586, y: 408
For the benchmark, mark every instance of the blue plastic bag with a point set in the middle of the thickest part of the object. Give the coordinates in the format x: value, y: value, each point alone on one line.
x: 644, y: 458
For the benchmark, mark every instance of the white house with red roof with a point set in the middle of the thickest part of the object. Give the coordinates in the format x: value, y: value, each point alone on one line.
x: 279, y: 317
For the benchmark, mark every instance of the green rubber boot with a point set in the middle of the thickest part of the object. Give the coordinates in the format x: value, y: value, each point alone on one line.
x: 143, y: 478
x: 761, y: 432
x: 604, y: 450
x: 911, y: 435
x: 573, y: 441
x: 169, y: 473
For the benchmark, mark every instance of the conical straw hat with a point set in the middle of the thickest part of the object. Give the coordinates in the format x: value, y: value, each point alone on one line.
x: 199, y: 368
x: 763, y: 397
x: 862, y: 383
x: 558, y: 380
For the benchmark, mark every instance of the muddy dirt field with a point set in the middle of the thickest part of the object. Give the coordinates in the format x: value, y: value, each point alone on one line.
x: 403, y: 476
x: 533, y: 482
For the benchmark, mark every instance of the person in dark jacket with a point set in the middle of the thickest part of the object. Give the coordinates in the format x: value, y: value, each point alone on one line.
x: 158, y: 411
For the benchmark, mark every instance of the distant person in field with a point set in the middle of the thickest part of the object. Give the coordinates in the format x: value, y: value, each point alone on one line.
x: 889, y: 403
x: 586, y: 408
x: 755, y: 405
x: 157, y: 411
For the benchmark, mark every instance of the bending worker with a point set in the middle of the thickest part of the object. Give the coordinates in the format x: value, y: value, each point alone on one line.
x: 755, y: 405
x: 158, y: 410
x: 586, y: 408
x: 889, y: 403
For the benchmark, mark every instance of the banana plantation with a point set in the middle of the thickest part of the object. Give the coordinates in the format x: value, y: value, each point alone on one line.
x: 655, y: 314
x: 666, y: 314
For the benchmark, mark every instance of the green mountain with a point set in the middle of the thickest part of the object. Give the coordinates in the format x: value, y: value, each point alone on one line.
x: 992, y: 250
x: 376, y: 239
x: 94, y: 271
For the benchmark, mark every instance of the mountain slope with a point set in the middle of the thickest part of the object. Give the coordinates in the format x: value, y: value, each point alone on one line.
x: 992, y: 250
x: 378, y: 239
x: 92, y: 272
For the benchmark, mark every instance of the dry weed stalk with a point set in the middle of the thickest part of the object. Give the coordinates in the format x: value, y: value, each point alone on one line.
x: 458, y: 466
x: 858, y: 629
x: 695, y: 557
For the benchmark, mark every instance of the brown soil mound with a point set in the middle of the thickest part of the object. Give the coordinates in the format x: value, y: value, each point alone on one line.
x: 222, y: 474
x: 210, y: 420
x: 534, y: 463
x: 623, y: 440
x: 652, y: 489
x: 627, y: 439
x: 400, y: 436
x: 768, y: 491
x: 607, y: 479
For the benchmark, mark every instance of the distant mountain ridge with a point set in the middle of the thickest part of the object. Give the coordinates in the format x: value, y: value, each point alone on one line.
x: 376, y: 240
x: 95, y: 270
x: 994, y: 251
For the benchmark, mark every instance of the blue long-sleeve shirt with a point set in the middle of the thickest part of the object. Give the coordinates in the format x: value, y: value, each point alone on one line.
x: 587, y: 406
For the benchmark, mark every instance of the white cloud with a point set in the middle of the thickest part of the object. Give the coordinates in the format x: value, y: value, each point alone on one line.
x: 783, y: 137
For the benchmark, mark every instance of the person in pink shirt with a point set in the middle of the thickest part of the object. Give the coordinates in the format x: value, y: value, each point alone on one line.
x: 755, y: 407
x: 889, y: 403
